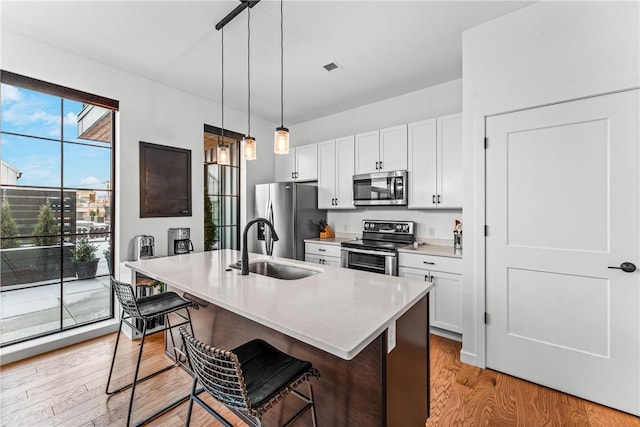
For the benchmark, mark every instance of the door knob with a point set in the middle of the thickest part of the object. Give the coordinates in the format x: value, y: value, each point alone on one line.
x: 627, y: 267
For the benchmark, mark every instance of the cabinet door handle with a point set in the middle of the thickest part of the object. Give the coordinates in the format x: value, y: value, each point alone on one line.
x: 627, y: 267
x: 380, y: 165
x: 377, y: 165
x: 438, y: 199
x: 433, y: 199
x: 336, y: 202
x: 292, y: 175
x: 429, y: 262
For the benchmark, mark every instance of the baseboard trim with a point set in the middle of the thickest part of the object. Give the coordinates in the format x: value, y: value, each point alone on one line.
x: 446, y: 334
x: 468, y: 358
x: 52, y: 342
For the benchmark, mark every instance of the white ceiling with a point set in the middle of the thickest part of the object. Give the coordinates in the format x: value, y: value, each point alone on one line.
x: 384, y: 48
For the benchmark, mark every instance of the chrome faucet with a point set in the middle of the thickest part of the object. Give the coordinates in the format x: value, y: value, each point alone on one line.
x: 245, y: 252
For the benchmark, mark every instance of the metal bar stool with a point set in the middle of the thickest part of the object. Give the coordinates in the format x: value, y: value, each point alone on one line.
x: 147, y: 309
x: 249, y: 379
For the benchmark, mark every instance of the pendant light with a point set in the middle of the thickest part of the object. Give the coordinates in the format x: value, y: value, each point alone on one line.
x: 281, y: 138
x: 249, y: 141
x: 223, y: 154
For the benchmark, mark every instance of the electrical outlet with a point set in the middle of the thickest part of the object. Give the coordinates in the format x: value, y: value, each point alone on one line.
x: 431, y: 231
x: 391, y: 336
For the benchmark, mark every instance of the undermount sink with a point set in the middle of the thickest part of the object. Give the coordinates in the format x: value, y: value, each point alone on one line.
x: 277, y: 270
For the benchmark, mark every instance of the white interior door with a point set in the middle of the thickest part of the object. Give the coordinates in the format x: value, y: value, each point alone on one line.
x: 562, y: 197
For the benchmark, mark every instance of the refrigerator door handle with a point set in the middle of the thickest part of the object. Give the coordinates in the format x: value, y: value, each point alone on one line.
x: 269, y: 243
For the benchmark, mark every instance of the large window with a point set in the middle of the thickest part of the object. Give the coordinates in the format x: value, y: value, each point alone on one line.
x: 56, y: 208
x: 222, y: 191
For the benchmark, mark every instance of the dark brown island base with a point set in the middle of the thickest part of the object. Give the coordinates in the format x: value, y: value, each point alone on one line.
x: 366, y: 333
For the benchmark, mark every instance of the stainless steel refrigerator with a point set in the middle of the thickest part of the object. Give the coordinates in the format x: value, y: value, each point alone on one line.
x: 293, y: 210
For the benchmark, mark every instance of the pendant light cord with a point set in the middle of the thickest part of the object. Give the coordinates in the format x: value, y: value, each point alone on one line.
x: 249, y: 70
x: 222, y: 95
x: 281, y: 66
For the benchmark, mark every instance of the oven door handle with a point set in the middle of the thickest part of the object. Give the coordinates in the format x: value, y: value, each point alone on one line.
x: 367, y: 252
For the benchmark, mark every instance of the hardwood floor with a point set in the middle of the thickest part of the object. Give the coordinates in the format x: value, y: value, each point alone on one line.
x: 66, y: 388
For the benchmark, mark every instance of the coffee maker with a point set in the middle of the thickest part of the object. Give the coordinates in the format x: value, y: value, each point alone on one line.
x: 143, y: 247
x: 179, y: 241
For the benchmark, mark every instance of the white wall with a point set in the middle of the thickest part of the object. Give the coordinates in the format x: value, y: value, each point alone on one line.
x: 545, y: 53
x: 148, y: 112
x: 426, y: 103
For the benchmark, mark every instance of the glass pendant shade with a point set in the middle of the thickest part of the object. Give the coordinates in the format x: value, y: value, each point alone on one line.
x: 249, y: 147
x: 281, y: 141
x: 223, y: 155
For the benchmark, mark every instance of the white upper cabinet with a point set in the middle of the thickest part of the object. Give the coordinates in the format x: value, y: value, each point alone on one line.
x: 450, y: 161
x: 301, y: 164
x: 435, y: 163
x: 367, y: 152
x: 285, y: 165
x: 307, y: 163
x: 381, y: 151
x: 326, y: 174
x: 335, y: 173
x: 422, y: 163
x: 393, y: 148
x: 345, y: 168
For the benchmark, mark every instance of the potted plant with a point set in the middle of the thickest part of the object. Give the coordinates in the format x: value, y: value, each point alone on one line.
x: 107, y: 256
x: 84, y: 259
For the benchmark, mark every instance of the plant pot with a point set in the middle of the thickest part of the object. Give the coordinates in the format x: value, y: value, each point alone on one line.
x: 86, y: 269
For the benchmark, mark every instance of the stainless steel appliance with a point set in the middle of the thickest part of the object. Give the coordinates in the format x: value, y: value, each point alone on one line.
x: 381, y: 188
x: 179, y: 241
x: 143, y: 247
x: 293, y: 210
x: 377, y: 250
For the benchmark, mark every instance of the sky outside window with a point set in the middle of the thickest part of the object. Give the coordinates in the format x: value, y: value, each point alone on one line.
x: 40, y: 120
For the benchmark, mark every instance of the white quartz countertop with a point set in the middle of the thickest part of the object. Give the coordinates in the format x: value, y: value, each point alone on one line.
x: 338, y: 310
x: 336, y: 241
x: 436, y: 250
x: 422, y: 249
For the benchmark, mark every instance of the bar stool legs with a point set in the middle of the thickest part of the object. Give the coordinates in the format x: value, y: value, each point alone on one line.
x: 146, y: 309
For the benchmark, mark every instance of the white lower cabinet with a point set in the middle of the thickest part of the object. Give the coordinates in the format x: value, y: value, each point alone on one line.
x: 445, y: 299
x: 322, y: 253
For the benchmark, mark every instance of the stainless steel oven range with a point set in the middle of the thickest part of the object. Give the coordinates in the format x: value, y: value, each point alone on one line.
x: 377, y: 250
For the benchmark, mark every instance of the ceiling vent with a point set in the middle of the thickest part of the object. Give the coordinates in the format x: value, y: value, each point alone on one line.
x: 331, y: 66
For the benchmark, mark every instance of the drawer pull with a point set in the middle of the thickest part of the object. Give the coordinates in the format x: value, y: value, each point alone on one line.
x: 321, y: 250
x: 429, y: 262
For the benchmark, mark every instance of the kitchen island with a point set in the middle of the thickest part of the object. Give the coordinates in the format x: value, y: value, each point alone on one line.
x: 366, y: 333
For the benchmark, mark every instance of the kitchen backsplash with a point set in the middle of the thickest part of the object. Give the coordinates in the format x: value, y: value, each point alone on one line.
x: 429, y: 224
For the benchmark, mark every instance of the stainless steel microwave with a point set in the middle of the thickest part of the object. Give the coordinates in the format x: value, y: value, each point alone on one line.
x: 380, y: 188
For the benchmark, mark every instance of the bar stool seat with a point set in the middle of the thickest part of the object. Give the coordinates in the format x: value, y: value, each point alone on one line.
x: 144, y: 310
x: 159, y: 304
x: 267, y: 370
x: 250, y: 379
